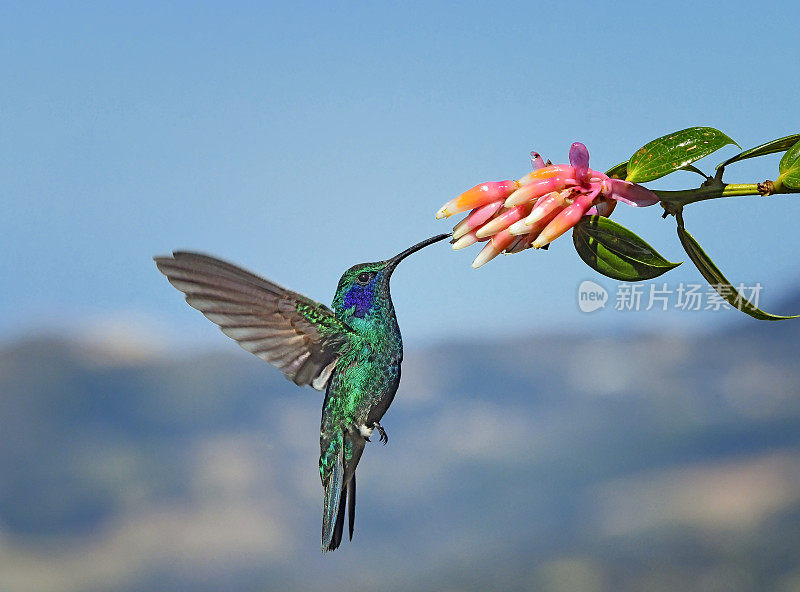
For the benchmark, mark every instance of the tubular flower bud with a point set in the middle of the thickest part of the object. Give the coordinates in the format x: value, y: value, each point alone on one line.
x: 525, y: 241
x: 519, y: 228
x: 480, y: 195
x: 552, y: 203
x: 540, y: 206
x: 461, y: 228
x: 488, y: 253
x: 529, y: 192
x: 566, y: 219
x: 502, y: 240
x: 477, y: 218
x: 554, y: 170
x: 539, y: 189
x: 499, y: 243
x: 465, y: 241
x: 503, y: 221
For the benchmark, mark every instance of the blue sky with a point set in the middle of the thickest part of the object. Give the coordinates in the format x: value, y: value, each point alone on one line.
x: 299, y: 139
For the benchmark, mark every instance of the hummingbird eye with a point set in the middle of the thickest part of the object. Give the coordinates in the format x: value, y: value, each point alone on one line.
x: 364, y: 277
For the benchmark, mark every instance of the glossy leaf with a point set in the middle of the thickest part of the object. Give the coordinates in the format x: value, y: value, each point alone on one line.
x: 616, y: 252
x: 619, y: 171
x: 771, y: 147
x: 674, y: 151
x: 790, y: 168
x: 714, y: 276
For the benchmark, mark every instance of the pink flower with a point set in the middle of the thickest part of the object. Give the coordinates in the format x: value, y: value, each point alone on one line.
x: 538, y: 208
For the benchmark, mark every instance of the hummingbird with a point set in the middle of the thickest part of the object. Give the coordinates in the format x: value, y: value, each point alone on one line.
x: 352, y: 352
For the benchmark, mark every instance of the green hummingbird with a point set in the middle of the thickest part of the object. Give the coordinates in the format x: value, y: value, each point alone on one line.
x: 352, y: 352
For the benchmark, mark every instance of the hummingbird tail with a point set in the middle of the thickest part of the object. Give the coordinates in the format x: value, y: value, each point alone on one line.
x: 339, y: 494
x: 351, y: 504
x: 333, y: 502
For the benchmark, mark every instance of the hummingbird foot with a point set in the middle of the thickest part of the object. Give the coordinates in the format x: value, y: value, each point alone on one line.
x: 383, y: 438
x: 365, y: 432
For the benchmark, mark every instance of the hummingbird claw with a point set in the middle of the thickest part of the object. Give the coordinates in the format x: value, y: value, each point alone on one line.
x: 383, y: 438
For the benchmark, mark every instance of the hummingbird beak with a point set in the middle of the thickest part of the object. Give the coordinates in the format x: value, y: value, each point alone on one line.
x: 392, y: 263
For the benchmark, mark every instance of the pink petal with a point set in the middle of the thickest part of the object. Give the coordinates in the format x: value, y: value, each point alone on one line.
x: 630, y: 193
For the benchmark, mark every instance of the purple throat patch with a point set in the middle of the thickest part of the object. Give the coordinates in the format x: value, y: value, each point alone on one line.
x: 361, y: 298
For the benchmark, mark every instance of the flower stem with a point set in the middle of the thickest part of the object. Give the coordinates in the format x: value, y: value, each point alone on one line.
x: 715, y: 191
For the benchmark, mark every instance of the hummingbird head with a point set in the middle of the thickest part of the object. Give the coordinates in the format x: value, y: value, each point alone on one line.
x: 363, y: 290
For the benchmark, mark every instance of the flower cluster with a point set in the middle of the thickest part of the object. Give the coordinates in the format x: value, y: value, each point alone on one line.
x: 538, y: 208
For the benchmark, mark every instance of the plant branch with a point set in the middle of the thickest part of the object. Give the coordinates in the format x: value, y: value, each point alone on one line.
x: 719, y: 190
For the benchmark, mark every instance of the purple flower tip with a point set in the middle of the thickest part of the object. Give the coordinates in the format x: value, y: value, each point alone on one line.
x: 537, y: 162
x: 579, y: 158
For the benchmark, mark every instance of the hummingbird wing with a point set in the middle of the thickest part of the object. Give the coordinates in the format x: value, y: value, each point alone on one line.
x: 301, y: 337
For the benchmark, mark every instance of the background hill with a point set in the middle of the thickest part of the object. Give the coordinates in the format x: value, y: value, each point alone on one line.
x: 657, y: 462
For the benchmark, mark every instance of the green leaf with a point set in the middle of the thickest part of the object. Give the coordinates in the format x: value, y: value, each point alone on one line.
x: 790, y: 168
x: 718, y: 281
x: 674, y: 151
x: 616, y: 252
x: 619, y: 171
x: 771, y: 147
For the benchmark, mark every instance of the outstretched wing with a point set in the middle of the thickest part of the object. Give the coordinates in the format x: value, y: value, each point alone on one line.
x: 301, y: 337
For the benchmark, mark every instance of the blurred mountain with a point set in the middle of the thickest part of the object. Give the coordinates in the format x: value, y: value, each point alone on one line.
x: 659, y: 462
